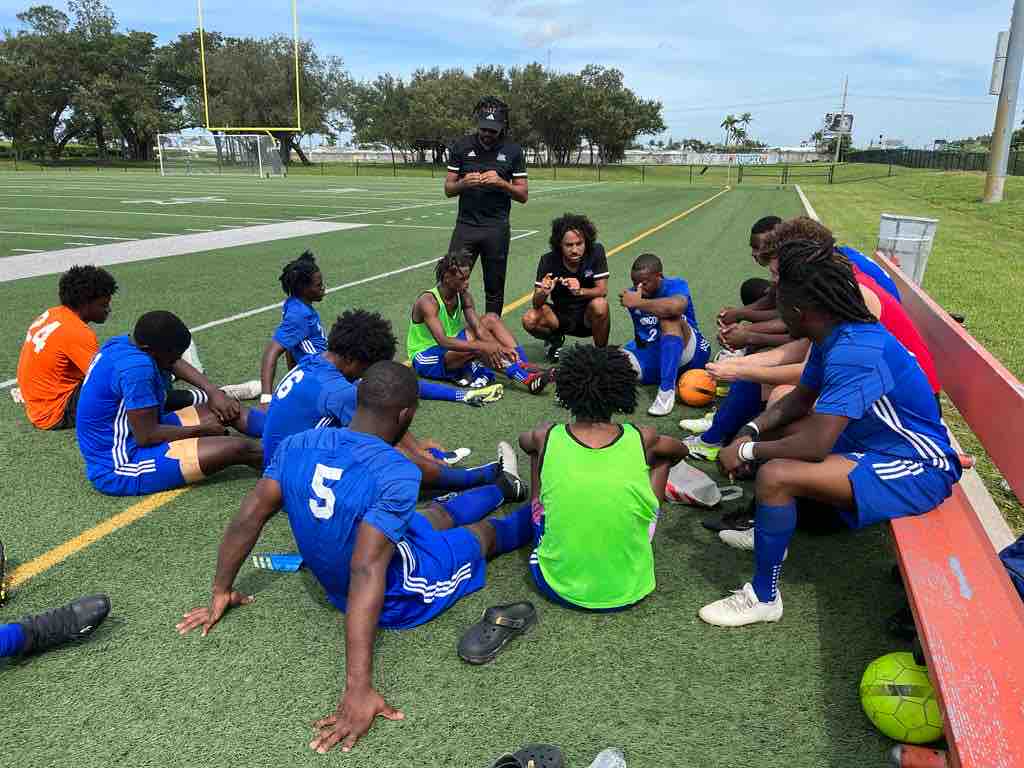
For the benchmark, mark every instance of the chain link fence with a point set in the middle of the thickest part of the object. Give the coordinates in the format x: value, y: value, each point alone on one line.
x: 937, y: 161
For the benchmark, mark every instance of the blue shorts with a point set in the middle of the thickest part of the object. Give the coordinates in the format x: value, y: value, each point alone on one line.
x: 429, y: 572
x: 158, y: 467
x: 430, y: 365
x: 885, y: 488
x: 649, y: 356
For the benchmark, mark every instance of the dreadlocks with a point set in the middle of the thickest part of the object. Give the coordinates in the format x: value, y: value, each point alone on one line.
x: 456, y: 259
x: 298, y: 274
x: 811, y: 272
x: 595, y: 382
x: 572, y: 222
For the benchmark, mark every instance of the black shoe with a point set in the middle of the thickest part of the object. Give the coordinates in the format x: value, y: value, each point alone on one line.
x: 74, y: 621
x: 512, y: 487
x: 740, y: 519
x: 553, y: 347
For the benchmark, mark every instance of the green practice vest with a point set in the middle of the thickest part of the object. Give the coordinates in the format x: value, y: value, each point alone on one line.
x: 598, y: 506
x: 419, y: 336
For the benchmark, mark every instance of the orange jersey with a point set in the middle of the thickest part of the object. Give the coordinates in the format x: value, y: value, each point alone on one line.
x: 57, y: 352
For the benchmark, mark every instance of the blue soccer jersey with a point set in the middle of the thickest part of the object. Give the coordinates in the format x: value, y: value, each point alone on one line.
x: 314, y: 394
x: 647, y: 327
x: 121, y: 378
x: 300, y: 331
x: 863, y: 373
x: 868, y: 267
x: 331, y: 481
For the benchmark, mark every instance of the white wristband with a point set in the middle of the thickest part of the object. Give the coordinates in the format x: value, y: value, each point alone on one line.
x: 265, y: 398
x: 753, y: 426
x: 746, y: 451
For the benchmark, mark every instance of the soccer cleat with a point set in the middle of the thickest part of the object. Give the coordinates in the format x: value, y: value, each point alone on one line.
x: 512, y: 487
x: 478, y: 383
x: 741, y: 608
x: 480, y: 397
x: 451, y: 458
x: 277, y: 561
x: 743, y: 540
x: 663, y: 403
x: 553, y: 347
x: 247, y: 390
x: 697, y: 426
x: 701, y: 450
x: 508, y: 458
x: 16, y: 395
x: 191, y: 356
x: 737, y: 520
x: 74, y: 621
x: 538, y: 380
x: 729, y: 354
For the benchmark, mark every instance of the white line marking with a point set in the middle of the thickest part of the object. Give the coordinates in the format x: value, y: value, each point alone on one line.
x: 165, y: 234
x: 271, y: 307
x: 807, y: 203
x: 27, y: 250
x: 71, y: 242
x: 134, y: 213
x: 189, y: 229
x: 63, y: 234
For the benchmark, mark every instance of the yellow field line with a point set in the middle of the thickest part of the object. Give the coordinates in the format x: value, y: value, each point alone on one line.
x: 62, y: 552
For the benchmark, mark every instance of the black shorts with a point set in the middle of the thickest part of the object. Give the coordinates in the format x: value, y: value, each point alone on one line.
x: 572, y: 320
x: 67, y: 421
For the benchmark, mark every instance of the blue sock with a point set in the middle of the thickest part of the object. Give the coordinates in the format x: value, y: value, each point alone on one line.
x: 430, y: 390
x: 472, y: 506
x: 12, y: 639
x: 773, y: 528
x: 521, y: 353
x: 513, y: 531
x: 454, y: 478
x: 671, y: 348
x: 742, y: 404
x: 437, y: 453
x: 516, y: 372
x: 254, y: 422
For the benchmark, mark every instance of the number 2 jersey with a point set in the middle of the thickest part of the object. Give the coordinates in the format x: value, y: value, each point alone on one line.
x: 314, y: 394
x: 331, y: 481
x: 56, y: 354
x: 647, y: 327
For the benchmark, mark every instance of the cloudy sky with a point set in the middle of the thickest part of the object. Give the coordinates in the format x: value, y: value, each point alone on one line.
x: 918, y: 70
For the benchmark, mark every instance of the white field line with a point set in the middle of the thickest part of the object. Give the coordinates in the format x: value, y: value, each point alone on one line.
x: 271, y: 307
x: 65, y: 234
x: 45, y: 191
x: 136, y: 213
x: 120, y: 201
x: 27, y: 250
x: 808, y: 208
x: 166, y: 234
x: 72, y: 242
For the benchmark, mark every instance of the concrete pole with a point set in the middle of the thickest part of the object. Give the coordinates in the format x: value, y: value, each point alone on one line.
x: 1002, y: 134
x: 842, y: 114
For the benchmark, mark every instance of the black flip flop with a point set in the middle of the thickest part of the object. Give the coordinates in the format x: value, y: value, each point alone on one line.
x: 532, y: 756
x: 499, y: 624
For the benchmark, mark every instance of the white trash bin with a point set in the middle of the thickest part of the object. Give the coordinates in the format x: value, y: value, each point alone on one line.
x: 908, y: 241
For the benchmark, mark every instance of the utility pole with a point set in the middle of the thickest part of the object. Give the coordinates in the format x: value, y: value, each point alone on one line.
x: 1002, y: 135
x: 842, y: 115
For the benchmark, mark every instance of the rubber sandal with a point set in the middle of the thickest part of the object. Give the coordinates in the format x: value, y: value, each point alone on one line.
x: 540, y: 756
x: 499, y: 624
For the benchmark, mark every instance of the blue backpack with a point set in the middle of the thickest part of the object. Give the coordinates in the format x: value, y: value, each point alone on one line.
x: 1013, y: 559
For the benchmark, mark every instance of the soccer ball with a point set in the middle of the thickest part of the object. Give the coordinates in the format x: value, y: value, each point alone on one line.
x: 696, y: 387
x: 899, y: 700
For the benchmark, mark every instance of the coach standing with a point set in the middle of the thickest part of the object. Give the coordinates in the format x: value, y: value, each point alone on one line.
x: 487, y: 173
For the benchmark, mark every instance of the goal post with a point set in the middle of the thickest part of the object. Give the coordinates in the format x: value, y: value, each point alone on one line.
x: 241, y: 154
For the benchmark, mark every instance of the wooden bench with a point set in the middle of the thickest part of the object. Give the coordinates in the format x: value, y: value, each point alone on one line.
x: 969, y: 618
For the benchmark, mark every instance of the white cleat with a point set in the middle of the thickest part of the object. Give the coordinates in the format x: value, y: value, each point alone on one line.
x: 743, y: 540
x: 663, y: 403
x: 741, y: 608
x: 697, y: 426
x: 701, y: 450
x: 508, y: 458
x: 729, y: 354
x: 451, y: 458
x: 16, y: 395
x: 247, y: 390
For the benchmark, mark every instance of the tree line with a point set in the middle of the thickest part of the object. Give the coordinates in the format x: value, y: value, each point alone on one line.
x: 75, y: 77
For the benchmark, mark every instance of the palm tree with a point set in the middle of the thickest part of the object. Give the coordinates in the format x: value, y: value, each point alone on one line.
x: 729, y: 124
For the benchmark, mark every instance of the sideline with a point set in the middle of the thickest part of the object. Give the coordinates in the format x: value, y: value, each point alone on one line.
x: 140, y: 509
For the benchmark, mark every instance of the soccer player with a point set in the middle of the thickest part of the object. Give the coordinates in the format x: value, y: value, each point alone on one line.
x: 593, y: 547
x: 300, y: 332
x: 486, y: 173
x: 860, y: 432
x: 667, y: 338
x: 43, y: 631
x: 131, y: 444
x: 448, y: 341
x: 350, y: 498
x: 570, y: 294
x: 321, y: 392
x: 60, y: 345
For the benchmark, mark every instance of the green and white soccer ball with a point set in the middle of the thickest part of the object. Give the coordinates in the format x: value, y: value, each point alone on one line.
x: 899, y: 700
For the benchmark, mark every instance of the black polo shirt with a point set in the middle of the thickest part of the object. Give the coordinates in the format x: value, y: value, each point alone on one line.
x: 485, y: 206
x: 592, y: 268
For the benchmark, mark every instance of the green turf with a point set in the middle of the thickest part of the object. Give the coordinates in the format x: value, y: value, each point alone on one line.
x: 973, y: 269
x: 656, y: 680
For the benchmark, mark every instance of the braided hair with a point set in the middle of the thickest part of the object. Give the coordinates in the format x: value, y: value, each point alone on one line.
x: 812, y: 272
x: 298, y: 274
x: 492, y: 104
x: 595, y: 382
x: 459, y: 258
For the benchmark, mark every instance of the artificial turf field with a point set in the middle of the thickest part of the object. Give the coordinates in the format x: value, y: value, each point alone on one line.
x: 656, y: 680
